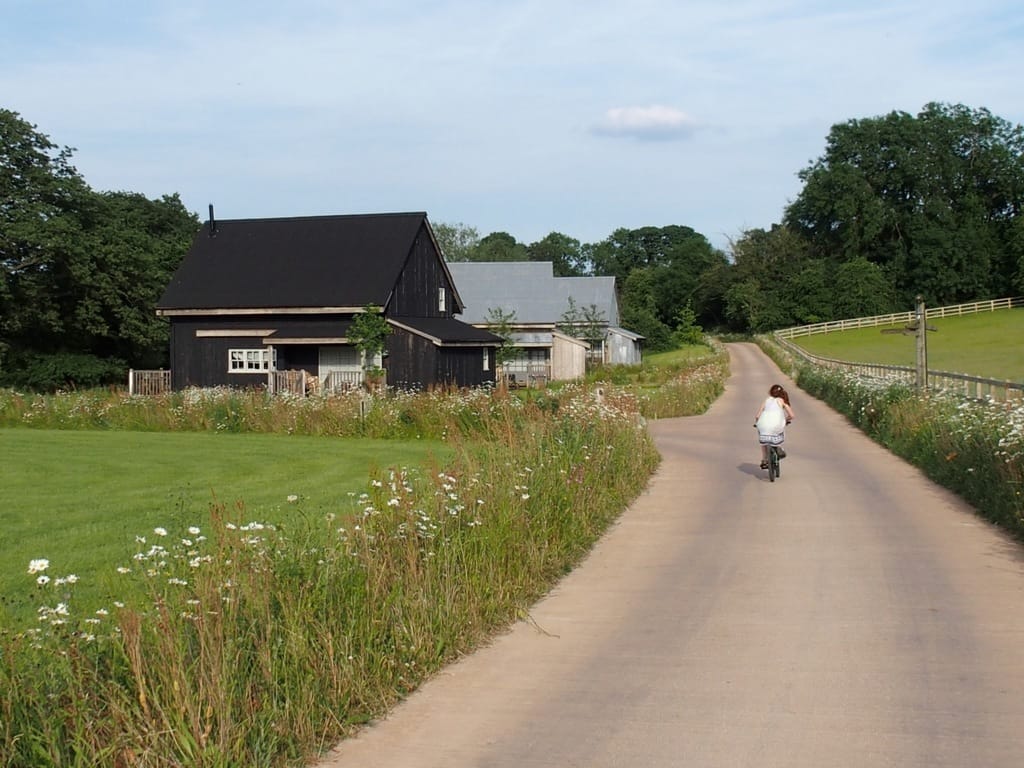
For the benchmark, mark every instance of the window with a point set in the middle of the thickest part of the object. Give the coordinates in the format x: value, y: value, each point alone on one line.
x: 251, y: 360
x: 442, y: 300
x: 487, y: 359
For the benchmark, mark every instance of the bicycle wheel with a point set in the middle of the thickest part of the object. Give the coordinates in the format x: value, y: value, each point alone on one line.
x: 773, y: 464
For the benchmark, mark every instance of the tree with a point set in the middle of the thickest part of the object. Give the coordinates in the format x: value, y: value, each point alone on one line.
x: 861, y: 289
x: 500, y: 323
x: 80, y: 271
x: 565, y: 254
x: 588, y: 323
x: 775, y: 282
x: 456, y: 241
x: 135, y: 245
x: 369, y: 332
x: 687, y: 331
x: 628, y: 249
x: 933, y: 200
x: 498, y: 246
x: 639, y: 310
x: 40, y: 194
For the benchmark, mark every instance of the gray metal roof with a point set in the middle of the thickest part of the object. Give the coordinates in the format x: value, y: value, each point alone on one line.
x: 530, y: 289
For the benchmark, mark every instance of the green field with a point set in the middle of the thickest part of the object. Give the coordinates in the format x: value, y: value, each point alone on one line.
x: 988, y: 344
x: 79, y: 498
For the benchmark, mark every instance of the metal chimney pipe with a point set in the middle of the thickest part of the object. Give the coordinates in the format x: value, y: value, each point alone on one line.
x: 213, y: 223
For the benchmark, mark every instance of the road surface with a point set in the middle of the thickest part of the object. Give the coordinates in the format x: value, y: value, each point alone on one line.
x: 851, y: 614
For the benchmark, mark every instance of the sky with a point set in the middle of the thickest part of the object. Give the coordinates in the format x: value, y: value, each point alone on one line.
x: 518, y: 116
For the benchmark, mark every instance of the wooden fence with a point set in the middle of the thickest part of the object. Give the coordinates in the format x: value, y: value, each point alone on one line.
x: 974, y: 387
x: 517, y: 374
x: 338, y: 382
x: 294, y: 382
x: 149, y: 382
x: 900, y: 318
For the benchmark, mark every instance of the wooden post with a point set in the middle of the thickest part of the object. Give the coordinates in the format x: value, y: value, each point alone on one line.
x: 922, y: 344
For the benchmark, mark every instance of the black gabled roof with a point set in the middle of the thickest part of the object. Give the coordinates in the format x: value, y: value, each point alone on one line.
x: 447, y: 331
x: 317, y: 261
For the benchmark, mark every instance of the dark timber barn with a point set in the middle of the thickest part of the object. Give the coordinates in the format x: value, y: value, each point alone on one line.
x: 255, y: 296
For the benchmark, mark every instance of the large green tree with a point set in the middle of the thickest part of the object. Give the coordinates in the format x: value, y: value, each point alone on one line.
x: 640, y: 312
x: 498, y: 246
x: 456, y: 241
x: 673, y: 260
x: 565, y: 253
x: 80, y: 271
x: 934, y: 200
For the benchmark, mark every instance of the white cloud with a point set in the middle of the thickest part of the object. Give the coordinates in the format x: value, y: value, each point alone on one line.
x: 653, y: 123
x: 474, y: 112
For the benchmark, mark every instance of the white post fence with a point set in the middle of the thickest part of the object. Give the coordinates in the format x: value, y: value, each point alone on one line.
x: 974, y: 387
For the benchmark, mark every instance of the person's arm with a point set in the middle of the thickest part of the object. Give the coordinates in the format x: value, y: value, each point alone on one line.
x: 789, y: 411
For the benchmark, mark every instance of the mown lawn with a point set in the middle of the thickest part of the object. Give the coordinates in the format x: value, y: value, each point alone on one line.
x: 79, y: 498
x: 988, y: 344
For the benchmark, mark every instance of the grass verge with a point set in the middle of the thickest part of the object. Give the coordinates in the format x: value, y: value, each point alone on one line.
x: 235, y: 640
x: 81, y: 497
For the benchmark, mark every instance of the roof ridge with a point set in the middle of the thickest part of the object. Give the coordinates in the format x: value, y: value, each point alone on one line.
x: 327, y: 216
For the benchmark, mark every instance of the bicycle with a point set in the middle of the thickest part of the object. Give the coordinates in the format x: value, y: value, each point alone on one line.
x: 773, y: 463
x: 773, y: 460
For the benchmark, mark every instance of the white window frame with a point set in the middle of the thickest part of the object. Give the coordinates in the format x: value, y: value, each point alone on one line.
x: 487, y: 359
x: 442, y: 299
x: 251, y: 360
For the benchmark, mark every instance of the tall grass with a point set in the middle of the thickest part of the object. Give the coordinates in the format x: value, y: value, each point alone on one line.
x: 973, y: 448
x: 679, y: 383
x: 234, y: 642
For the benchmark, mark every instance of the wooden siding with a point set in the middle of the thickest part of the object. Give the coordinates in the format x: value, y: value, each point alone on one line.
x: 568, y: 358
x: 464, y: 366
x: 415, y: 363
x: 203, y: 361
x: 411, y: 362
x: 416, y: 292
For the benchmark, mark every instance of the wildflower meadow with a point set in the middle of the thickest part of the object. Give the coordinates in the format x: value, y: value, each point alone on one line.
x: 237, y: 641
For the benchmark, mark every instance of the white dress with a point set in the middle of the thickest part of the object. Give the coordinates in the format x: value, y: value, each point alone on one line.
x: 771, y: 424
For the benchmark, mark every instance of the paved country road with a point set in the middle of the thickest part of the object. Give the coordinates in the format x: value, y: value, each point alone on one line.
x: 851, y: 614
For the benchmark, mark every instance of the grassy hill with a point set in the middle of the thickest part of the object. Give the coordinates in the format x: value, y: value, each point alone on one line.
x: 988, y: 344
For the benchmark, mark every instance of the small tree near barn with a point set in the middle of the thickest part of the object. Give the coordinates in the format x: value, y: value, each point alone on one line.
x: 369, y: 332
x: 500, y: 323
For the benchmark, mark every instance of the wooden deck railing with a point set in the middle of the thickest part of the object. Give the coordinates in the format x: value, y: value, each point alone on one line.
x: 524, y: 374
x: 337, y: 382
x: 294, y: 382
x: 148, y: 382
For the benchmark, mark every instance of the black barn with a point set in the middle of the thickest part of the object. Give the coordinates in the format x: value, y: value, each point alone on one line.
x: 254, y: 296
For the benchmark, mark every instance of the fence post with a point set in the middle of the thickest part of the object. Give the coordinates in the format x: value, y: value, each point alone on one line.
x: 131, y: 382
x: 922, y: 344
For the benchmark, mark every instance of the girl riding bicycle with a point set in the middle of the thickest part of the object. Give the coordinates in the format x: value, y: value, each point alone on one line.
x: 771, y: 420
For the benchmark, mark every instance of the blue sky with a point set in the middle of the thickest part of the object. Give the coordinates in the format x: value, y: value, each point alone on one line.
x: 519, y: 116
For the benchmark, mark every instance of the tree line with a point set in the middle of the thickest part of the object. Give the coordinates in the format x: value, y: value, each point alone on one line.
x: 897, y: 206
x: 82, y: 270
